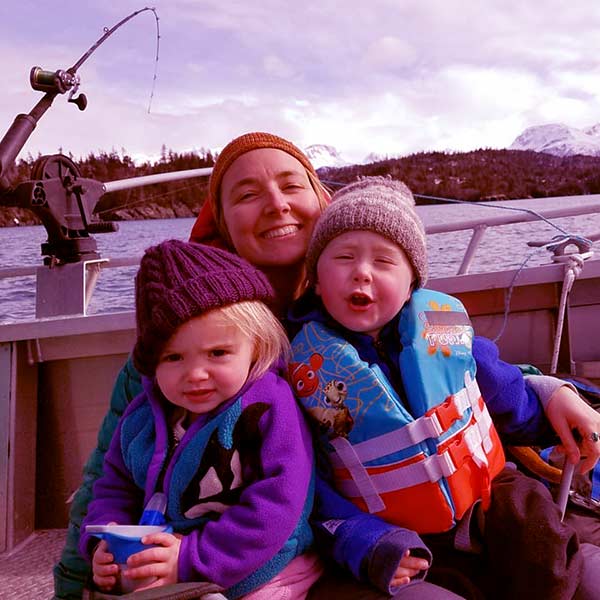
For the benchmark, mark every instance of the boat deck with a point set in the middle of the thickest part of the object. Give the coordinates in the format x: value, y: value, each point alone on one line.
x: 26, y: 571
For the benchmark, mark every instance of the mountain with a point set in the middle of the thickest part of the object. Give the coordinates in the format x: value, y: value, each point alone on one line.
x: 321, y: 155
x: 560, y: 140
x: 594, y: 130
x: 374, y: 157
x: 139, y: 158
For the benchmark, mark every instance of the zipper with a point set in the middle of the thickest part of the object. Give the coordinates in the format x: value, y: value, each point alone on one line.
x: 173, y: 443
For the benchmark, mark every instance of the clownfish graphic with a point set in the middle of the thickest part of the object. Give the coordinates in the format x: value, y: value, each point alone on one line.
x: 304, y: 378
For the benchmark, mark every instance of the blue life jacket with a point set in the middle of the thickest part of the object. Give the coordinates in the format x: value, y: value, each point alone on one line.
x: 422, y: 464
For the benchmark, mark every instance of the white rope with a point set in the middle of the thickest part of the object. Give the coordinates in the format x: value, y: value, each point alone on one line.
x: 573, y: 266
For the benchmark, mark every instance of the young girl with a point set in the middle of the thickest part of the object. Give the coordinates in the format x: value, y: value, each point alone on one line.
x: 216, y: 428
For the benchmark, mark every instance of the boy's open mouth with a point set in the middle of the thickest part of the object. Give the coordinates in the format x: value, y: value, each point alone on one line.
x: 359, y: 299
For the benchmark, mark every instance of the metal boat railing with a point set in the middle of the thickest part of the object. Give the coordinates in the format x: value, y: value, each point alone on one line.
x: 510, y: 216
x: 135, y: 182
x: 51, y: 299
x: 66, y: 289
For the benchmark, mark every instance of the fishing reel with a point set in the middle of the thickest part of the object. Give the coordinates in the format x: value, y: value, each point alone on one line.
x: 64, y: 201
x: 58, y: 82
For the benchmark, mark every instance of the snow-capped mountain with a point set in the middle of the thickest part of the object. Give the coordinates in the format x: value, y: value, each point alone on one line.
x: 560, y: 140
x: 593, y: 130
x: 140, y: 158
x: 321, y: 155
x: 374, y: 157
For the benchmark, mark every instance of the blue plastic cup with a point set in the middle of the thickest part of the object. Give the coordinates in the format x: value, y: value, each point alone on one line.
x: 125, y: 540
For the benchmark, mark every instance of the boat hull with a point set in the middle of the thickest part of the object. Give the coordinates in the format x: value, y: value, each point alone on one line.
x: 60, y: 373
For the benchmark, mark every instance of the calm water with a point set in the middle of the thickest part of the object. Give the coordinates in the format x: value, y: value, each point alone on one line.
x: 502, y: 247
x: 20, y: 246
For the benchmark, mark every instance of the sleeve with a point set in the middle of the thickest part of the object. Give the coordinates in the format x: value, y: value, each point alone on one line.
x: 514, y: 406
x: 370, y: 548
x: 72, y: 571
x: 251, y: 532
x: 115, y: 496
x: 545, y: 385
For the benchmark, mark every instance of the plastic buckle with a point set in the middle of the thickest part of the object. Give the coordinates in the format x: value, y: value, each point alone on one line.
x: 486, y: 489
x: 459, y: 451
x: 447, y: 413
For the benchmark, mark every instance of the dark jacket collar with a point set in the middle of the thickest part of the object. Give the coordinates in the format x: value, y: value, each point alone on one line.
x: 384, y: 352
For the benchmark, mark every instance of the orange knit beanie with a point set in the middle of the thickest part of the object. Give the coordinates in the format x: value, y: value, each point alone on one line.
x: 245, y: 143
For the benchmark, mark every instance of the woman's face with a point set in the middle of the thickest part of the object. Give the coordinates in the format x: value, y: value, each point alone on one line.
x: 269, y: 207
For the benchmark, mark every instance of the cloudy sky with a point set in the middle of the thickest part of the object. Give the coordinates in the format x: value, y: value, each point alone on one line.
x: 385, y: 76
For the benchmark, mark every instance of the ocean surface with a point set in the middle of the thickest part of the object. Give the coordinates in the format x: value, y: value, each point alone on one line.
x: 502, y: 247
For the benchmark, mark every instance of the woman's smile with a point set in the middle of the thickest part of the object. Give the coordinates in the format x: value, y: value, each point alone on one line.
x: 267, y: 198
x: 283, y: 231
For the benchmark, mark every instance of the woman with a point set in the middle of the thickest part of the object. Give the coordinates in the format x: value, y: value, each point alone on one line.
x: 264, y: 198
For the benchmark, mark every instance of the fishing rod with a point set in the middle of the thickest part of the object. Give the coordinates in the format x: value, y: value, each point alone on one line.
x: 56, y: 193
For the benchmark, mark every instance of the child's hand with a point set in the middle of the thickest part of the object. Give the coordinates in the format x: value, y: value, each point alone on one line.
x: 104, y: 568
x: 159, y: 562
x: 408, y: 568
x: 567, y: 411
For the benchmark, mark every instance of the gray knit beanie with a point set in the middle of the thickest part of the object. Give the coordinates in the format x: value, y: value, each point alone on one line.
x: 180, y: 280
x: 376, y: 204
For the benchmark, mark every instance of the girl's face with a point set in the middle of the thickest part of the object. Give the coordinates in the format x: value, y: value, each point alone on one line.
x: 364, y: 279
x: 204, y: 363
x: 269, y: 207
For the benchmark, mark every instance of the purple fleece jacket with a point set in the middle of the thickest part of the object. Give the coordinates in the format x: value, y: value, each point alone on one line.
x: 265, y: 515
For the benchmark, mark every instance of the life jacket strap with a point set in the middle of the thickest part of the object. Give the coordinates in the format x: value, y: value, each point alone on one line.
x: 431, y: 468
x: 472, y: 394
x: 465, y: 444
x: 431, y: 425
x: 474, y: 442
x: 363, y: 485
x: 409, y: 435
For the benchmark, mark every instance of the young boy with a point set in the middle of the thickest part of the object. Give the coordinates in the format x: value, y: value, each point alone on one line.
x: 391, y: 375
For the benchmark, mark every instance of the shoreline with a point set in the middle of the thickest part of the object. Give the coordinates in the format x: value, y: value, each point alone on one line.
x: 18, y: 217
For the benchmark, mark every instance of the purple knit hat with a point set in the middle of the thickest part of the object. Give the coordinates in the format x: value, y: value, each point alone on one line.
x: 180, y: 280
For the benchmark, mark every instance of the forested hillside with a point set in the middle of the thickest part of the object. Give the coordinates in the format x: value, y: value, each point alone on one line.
x: 484, y: 174
x: 165, y: 200
x: 476, y: 175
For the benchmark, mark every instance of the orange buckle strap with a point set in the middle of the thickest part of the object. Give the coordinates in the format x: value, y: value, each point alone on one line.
x: 458, y: 450
x: 446, y: 413
x: 486, y: 488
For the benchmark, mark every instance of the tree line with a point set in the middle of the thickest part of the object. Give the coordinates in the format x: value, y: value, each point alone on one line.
x: 163, y: 200
x: 483, y: 174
